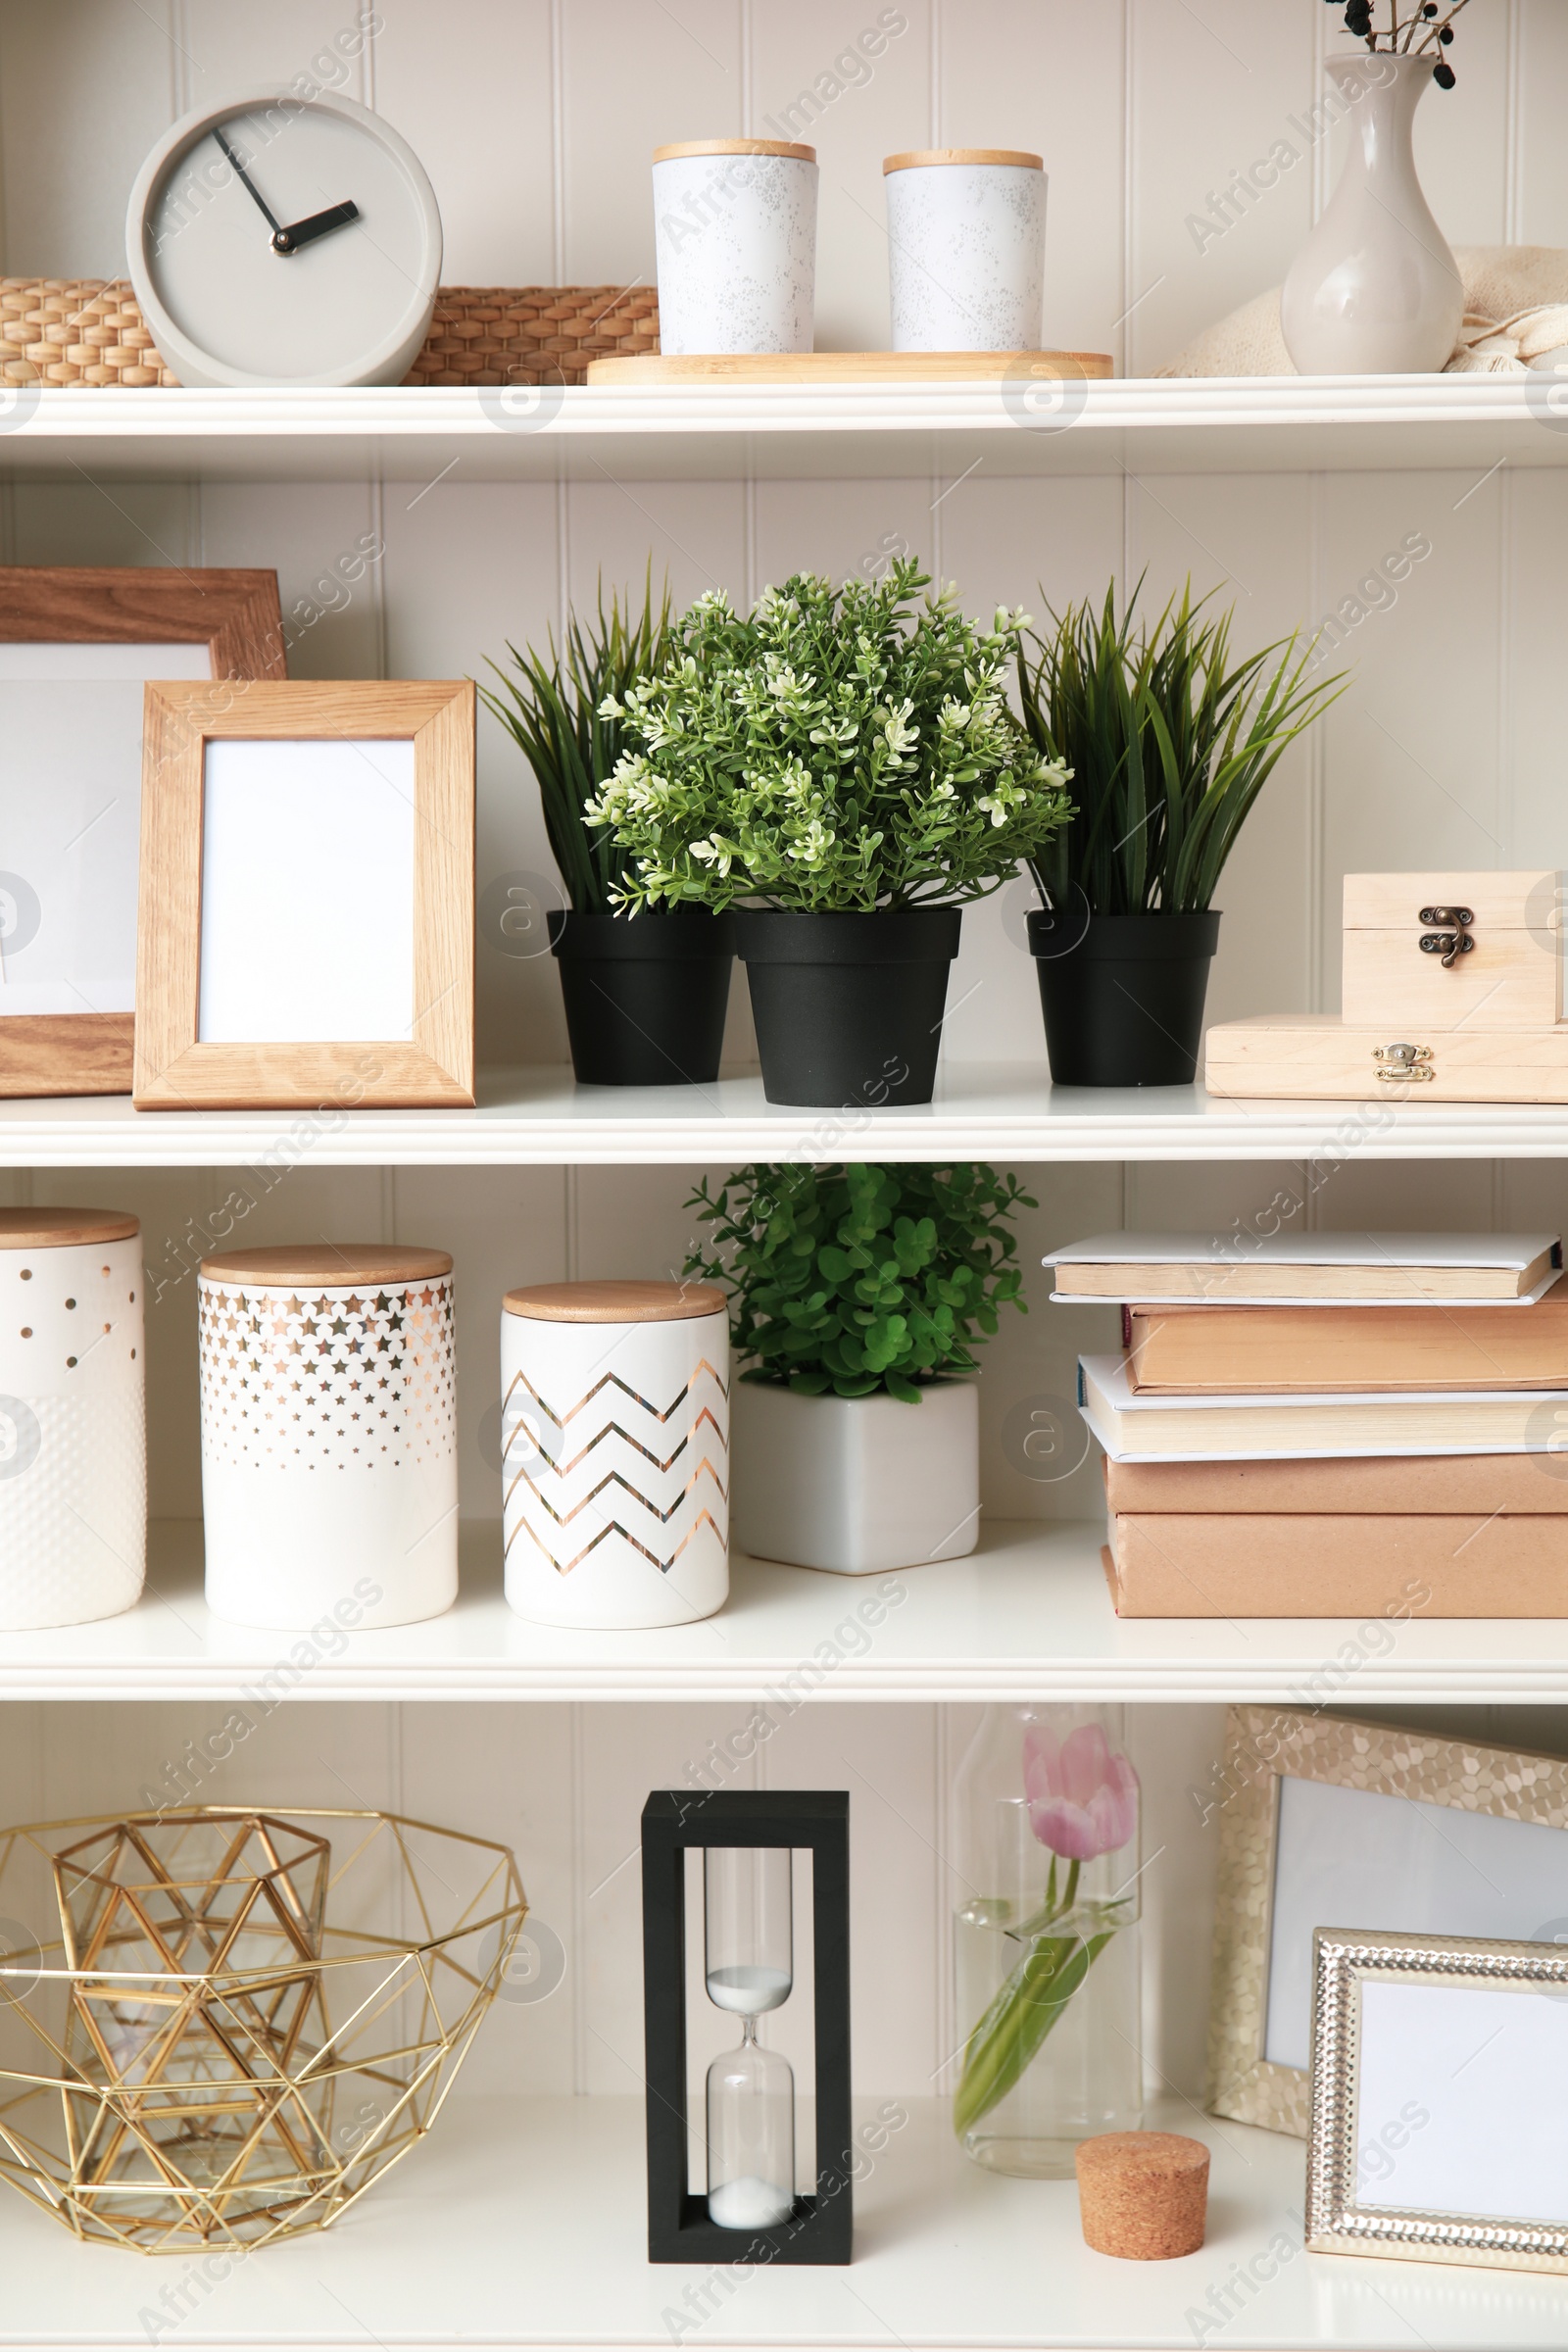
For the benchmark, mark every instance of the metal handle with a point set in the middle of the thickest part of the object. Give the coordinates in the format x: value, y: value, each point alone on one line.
x: 1448, y: 944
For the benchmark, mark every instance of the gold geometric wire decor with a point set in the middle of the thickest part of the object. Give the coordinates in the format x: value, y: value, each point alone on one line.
x: 218, y: 2027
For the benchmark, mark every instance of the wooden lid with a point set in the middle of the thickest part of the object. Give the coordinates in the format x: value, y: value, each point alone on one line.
x: 616, y: 1302
x: 326, y: 1265
x: 916, y: 159
x: 59, y: 1228
x: 669, y: 155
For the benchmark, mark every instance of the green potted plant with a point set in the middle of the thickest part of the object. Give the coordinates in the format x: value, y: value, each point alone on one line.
x: 856, y: 1297
x: 1169, y: 743
x: 645, y: 1000
x: 840, y: 767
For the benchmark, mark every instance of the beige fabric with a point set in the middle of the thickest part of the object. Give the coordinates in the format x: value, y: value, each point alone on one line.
x: 1516, y: 308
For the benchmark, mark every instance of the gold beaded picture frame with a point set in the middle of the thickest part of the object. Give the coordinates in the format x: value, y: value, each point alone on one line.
x: 1447, y: 2059
x: 1331, y: 1823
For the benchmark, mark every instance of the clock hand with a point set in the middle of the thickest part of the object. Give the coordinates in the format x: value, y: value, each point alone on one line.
x: 319, y: 225
x: 250, y: 187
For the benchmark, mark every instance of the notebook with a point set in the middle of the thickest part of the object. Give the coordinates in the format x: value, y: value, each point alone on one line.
x: 1331, y: 1270
x: 1170, y: 1429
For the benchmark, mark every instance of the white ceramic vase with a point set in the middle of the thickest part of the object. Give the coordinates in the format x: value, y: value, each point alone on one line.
x: 614, y: 1433
x: 1375, y: 291
x: 329, y: 1462
x: 73, y: 1420
x: 857, y: 1483
x: 966, y: 248
x: 735, y: 234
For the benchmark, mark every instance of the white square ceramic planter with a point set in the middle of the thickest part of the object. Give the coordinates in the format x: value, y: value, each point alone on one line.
x: 73, y: 1424
x: 330, y: 1460
x: 856, y: 1483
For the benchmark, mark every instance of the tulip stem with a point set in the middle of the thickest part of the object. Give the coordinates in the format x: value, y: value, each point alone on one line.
x: 1012, y: 2031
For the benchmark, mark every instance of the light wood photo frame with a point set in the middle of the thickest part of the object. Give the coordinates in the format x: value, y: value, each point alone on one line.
x: 1327, y: 1823
x: 307, y: 927
x: 76, y: 646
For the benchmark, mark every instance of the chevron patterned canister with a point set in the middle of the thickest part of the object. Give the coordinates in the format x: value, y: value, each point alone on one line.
x: 329, y: 1457
x: 73, y: 1424
x: 614, y: 1427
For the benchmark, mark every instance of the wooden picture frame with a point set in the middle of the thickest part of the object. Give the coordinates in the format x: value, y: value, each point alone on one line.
x: 180, y: 1068
x: 236, y: 615
x: 1517, y: 1803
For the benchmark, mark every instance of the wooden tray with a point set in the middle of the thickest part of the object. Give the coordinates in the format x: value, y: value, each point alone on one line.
x: 855, y: 368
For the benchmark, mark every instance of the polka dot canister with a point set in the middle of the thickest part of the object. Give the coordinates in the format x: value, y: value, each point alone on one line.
x: 614, y: 1433
x: 329, y: 1466
x: 72, y: 1416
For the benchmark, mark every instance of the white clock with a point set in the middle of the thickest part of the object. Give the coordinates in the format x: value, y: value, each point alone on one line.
x: 284, y: 241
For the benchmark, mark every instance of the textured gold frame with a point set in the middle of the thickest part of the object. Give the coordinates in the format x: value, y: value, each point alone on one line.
x: 1262, y: 1747
x: 1336, y: 2221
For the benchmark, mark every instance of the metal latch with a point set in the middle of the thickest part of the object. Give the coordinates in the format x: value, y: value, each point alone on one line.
x: 1450, y: 943
x: 1404, y: 1065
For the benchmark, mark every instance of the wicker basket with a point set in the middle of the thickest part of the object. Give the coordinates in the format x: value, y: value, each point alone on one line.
x: 89, y: 331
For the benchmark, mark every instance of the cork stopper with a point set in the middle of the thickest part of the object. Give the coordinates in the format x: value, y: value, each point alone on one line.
x: 1143, y: 2195
x: 616, y: 1302
x: 326, y: 1265
x: 62, y: 1228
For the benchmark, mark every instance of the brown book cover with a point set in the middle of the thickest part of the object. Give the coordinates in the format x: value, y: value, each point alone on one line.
x: 1288, y: 1350
x: 1391, y: 1569
x: 1350, y: 1486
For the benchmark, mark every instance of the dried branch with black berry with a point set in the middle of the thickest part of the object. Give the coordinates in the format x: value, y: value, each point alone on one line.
x: 1417, y: 30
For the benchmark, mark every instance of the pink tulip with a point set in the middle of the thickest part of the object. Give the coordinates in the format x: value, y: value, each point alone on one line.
x: 1083, y: 1795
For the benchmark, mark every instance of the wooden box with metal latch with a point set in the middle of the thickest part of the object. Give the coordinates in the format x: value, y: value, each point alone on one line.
x: 1447, y: 951
x: 1452, y: 992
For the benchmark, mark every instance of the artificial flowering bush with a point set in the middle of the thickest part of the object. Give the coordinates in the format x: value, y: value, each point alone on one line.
x: 832, y: 751
x: 857, y: 1280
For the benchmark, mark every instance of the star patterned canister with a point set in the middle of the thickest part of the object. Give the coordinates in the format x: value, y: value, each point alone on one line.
x: 614, y: 1434
x: 73, y: 1420
x: 329, y: 1467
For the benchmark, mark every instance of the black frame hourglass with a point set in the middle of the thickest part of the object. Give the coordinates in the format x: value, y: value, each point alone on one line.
x: 819, y: 2229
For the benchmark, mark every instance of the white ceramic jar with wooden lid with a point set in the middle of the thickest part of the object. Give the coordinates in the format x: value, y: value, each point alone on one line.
x: 73, y: 1418
x: 614, y: 1429
x: 735, y: 234
x: 330, y: 1461
x: 966, y: 248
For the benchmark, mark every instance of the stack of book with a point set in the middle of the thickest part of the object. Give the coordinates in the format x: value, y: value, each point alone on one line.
x: 1320, y: 1425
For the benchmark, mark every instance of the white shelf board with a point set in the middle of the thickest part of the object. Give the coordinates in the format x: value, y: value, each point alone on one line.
x: 686, y: 432
x: 995, y: 1110
x: 1026, y: 1616
x: 523, y: 2223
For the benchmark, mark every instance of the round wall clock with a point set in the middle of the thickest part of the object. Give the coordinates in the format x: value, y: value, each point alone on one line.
x: 284, y: 241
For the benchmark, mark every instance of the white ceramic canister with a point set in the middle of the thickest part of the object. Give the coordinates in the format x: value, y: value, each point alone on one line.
x: 966, y: 248
x: 735, y: 222
x: 72, y: 1416
x: 329, y: 1462
x: 614, y: 1424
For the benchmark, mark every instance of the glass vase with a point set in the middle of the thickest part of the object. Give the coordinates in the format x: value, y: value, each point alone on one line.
x: 1046, y: 1848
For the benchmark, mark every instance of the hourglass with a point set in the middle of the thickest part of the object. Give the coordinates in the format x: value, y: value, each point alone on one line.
x: 746, y: 1907
x: 750, y: 2209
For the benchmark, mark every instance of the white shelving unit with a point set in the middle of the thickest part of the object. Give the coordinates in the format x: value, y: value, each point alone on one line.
x: 777, y: 433
x: 946, y: 2257
x: 1026, y: 1616
x: 522, y: 2222
x: 539, y: 1118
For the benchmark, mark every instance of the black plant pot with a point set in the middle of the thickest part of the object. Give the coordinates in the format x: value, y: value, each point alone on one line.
x: 645, y: 995
x: 848, y: 1006
x: 1124, y: 1005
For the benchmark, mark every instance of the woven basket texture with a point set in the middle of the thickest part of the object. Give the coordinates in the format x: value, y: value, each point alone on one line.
x: 81, y: 330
